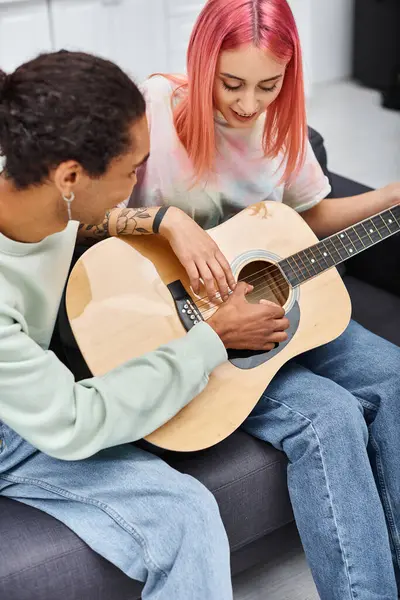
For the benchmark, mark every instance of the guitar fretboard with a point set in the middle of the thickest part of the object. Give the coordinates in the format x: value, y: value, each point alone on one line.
x: 337, y: 248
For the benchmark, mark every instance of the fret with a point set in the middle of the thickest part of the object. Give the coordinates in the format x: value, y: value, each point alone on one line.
x: 327, y: 254
x: 312, y: 261
x: 303, y: 257
x: 298, y: 274
x: 381, y: 229
x: 337, y: 248
x: 330, y: 246
x: 351, y: 249
x: 377, y: 221
x: 324, y: 256
x: 303, y: 272
x: 355, y: 239
x: 367, y: 233
x: 373, y: 233
x: 395, y: 212
x: 386, y: 228
x: 363, y: 235
x: 290, y: 271
x: 391, y: 220
x: 338, y: 240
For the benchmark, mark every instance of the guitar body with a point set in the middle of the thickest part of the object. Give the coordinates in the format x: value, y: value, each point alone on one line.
x: 120, y: 307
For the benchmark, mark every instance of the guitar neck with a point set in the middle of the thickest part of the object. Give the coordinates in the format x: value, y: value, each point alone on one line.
x: 337, y: 248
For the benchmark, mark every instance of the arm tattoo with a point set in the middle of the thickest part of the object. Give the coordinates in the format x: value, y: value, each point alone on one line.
x: 95, y: 232
x: 130, y: 221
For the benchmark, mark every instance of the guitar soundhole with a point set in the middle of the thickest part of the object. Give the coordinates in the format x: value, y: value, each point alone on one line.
x: 268, y: 282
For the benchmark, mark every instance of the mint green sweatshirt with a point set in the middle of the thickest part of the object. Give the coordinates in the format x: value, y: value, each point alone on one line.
x: 39, y: 397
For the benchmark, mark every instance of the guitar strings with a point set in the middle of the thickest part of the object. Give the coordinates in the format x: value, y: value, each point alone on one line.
x: 274, y: 284
x: 271, y: 286
x: 257, y: 296
x: 252, y: 280
x: 204, y: 300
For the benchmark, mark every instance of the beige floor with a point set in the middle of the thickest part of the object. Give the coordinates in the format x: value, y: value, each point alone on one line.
x: 286, y: 579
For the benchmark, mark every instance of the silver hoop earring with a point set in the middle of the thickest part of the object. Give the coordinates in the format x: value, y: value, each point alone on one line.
x: 68, y: 201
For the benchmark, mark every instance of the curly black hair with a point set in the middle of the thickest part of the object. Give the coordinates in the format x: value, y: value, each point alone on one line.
x: 65, y: 106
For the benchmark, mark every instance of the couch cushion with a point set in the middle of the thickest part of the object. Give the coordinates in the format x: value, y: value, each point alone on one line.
x: 248, y: 479
x: 43, y: 560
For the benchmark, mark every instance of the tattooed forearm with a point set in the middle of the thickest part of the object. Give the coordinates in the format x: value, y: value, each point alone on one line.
x: 119, y: 221
x: 94, y: 233
x: 133, y: 221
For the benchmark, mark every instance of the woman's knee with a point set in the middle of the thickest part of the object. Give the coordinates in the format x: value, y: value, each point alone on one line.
x: 333, y: 424
x: 342, y: 417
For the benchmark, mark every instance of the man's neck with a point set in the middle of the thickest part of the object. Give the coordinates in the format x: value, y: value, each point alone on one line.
x: 28, y: 216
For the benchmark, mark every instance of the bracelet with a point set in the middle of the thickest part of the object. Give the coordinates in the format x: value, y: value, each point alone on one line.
x: 158, y: 218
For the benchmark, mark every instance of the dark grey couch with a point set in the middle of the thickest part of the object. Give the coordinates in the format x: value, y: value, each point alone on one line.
x: 43, y: 560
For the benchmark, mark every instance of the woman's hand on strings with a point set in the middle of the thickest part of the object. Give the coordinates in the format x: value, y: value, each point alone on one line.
x: 198, y: 254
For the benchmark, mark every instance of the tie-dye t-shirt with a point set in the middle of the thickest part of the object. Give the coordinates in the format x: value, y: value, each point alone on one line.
x: 243, y: 176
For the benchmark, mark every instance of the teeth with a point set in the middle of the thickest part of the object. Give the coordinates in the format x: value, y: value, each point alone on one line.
x: 242, y: 115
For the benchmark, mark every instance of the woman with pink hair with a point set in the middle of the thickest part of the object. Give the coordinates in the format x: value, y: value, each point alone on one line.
x: 233, y: 133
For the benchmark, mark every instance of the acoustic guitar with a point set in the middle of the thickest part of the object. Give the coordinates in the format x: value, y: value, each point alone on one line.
x: 128, y: 296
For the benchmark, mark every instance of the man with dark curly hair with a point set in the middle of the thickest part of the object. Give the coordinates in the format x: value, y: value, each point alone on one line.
x: 73, y: 131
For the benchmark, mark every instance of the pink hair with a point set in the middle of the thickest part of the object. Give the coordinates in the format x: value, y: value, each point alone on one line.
x: 226, y: 25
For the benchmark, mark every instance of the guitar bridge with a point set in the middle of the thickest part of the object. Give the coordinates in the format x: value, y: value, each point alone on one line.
x: 187, y: 310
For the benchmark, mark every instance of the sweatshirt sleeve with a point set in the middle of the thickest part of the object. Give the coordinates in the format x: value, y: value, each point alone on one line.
x: 40, y: 400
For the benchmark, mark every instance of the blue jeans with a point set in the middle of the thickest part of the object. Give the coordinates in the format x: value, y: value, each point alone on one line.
x: 334, y: 411
x: 157, y: 525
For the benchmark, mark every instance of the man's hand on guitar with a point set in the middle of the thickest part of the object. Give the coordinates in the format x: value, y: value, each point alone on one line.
x: 198, y: 253
x: 245, y: 326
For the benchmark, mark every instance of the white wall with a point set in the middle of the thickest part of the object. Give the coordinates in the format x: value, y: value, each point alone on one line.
x: 326, y: 33
x: 182, y: 15
x: 152, y: 35
x: 302, y: 13
x: 131, y: 33
x: 331, y: 39
x: 23, y: 32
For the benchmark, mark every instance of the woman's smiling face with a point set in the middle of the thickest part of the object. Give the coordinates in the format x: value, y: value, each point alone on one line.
x: 247, y: 81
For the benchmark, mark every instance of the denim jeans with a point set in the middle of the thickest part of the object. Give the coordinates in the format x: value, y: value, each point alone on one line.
x: 159, y: 526
x: 334, y: 411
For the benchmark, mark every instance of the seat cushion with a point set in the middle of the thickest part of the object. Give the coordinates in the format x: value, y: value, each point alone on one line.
x: 248, y: 479
x: 41, y: 559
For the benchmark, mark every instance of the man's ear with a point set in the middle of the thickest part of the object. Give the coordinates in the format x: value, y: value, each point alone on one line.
x: 67, y: 177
